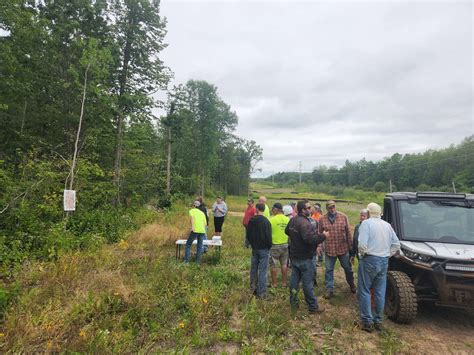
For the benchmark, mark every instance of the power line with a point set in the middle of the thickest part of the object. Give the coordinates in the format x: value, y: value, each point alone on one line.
x: 412, y: 165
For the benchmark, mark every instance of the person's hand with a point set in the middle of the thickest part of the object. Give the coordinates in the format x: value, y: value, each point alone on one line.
x: 319, y: 251
x: 326, y: 233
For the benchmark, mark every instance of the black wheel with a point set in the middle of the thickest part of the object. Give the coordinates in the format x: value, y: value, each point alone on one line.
x: 400, y: 299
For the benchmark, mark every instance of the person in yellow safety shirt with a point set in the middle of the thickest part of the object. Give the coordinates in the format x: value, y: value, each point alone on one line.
x: 279, y: 250
x: 198, y: 230
x: 263, y: 200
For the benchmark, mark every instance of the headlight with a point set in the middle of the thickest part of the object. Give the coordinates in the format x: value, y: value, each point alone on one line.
x: 416, y: 256
x: 410, y: 254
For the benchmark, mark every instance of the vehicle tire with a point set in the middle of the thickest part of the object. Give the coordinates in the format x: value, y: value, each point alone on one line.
x: 400, y: 299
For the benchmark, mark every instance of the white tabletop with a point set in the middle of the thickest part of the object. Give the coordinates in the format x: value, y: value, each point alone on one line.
x: 216, y: 243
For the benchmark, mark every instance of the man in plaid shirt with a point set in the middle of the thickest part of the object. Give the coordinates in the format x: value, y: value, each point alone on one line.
x: 337, y: 246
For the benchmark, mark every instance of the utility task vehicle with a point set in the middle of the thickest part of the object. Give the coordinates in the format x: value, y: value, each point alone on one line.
x: 436, y: 262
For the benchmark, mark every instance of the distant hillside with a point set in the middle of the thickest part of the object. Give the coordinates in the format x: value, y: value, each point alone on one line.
x: 433, y: 169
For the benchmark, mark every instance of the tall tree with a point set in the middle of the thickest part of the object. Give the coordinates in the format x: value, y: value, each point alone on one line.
x: 139, y: 31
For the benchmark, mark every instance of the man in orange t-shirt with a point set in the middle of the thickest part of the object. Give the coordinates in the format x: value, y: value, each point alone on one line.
x: 316, y: 212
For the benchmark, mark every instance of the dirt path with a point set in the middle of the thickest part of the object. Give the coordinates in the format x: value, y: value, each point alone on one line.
x: 235, y: 214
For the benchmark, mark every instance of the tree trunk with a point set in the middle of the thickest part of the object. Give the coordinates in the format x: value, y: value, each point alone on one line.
x: 168, y: 164
x: 76, y: 144
x: 120, y: 117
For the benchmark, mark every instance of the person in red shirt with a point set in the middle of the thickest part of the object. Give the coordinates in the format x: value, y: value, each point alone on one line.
x: 249, y: 213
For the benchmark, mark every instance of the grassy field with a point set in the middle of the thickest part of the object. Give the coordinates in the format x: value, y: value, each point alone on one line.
x: 135, y: 296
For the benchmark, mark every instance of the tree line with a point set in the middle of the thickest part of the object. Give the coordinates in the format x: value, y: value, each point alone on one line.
x: 77, y: 86
x: 433, y: 169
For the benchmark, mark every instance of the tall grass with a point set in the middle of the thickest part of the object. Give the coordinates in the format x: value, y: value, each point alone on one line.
x: 134, y: 296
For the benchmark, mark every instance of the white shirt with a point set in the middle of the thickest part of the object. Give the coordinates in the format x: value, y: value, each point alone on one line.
x: 377, y: 238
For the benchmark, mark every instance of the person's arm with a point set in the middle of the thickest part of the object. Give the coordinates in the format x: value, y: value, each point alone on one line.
x: 268, y: 234
x: 192, y: 223
x: 355, y: 241
x: 395, y: 245
x: 224, y: 208
x: 364, y: 231
x: 287, y: 228
x: 247, y: 232
x: 320, y: 225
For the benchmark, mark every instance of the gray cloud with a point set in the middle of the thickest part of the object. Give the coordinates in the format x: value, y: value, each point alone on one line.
x: 323, y: 82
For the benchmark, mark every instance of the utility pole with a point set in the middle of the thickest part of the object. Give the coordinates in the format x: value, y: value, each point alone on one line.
x: 391, y: 189
x: 454, y: 187
x: 300, y: 172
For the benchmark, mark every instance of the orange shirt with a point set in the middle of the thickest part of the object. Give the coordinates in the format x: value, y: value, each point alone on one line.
x: 316, y: 216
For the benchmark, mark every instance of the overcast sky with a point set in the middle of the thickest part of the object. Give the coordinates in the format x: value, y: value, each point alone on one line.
x: 322, y: 82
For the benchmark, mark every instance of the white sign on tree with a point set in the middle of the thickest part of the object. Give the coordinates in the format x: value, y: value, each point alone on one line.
x: 69, y: 199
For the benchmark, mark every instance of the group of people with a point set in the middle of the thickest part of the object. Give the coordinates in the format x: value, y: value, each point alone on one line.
x: 298, y: 235
x: 199, y: 219
x: 301, y: 237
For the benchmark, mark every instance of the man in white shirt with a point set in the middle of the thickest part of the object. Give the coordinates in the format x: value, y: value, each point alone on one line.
x: 377, y: 243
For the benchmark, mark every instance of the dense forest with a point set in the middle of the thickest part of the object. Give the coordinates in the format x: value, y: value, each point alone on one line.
x: 77, y: 85
x: 431, y: 170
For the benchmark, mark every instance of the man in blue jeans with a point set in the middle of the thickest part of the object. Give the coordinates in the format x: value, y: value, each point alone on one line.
x: 303, y: 239
x: 377, y: 242
x: 198, y: 230
x: 337, y: 246
x: 259, y: 236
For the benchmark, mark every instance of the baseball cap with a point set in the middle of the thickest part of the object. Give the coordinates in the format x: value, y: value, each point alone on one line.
x: 196, y: 203
x: 287, y: 210
x: 278, y: 206
x: 330, y: 203
x: 250, y: 200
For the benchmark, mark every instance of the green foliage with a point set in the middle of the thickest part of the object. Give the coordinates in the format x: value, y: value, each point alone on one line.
x: 431, y: 170
x: 51, y: 49
x: 205, y: 153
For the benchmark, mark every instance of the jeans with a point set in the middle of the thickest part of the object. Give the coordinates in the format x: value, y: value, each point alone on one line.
x: 189, y: 243
x: 259, y: 271
x: 372, y: 274
x: 303, y: 270
x: 246, y: 242
x: 345, y: 263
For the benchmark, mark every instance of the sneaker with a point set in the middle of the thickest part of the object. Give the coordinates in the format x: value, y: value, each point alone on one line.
x: 329, y: 295
x: 318, y: 310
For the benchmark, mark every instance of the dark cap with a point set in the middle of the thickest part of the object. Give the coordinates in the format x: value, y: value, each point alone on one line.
x: 250, y: 200
x: 278, y: 206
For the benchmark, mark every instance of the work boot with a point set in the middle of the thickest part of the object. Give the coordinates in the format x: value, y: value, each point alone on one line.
x: 369, y: 328
x: 353, y: 288
x: 329, y: 294
x: 318, y: 310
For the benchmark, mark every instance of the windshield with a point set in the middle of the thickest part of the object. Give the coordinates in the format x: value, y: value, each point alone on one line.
x: 437, y: 221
